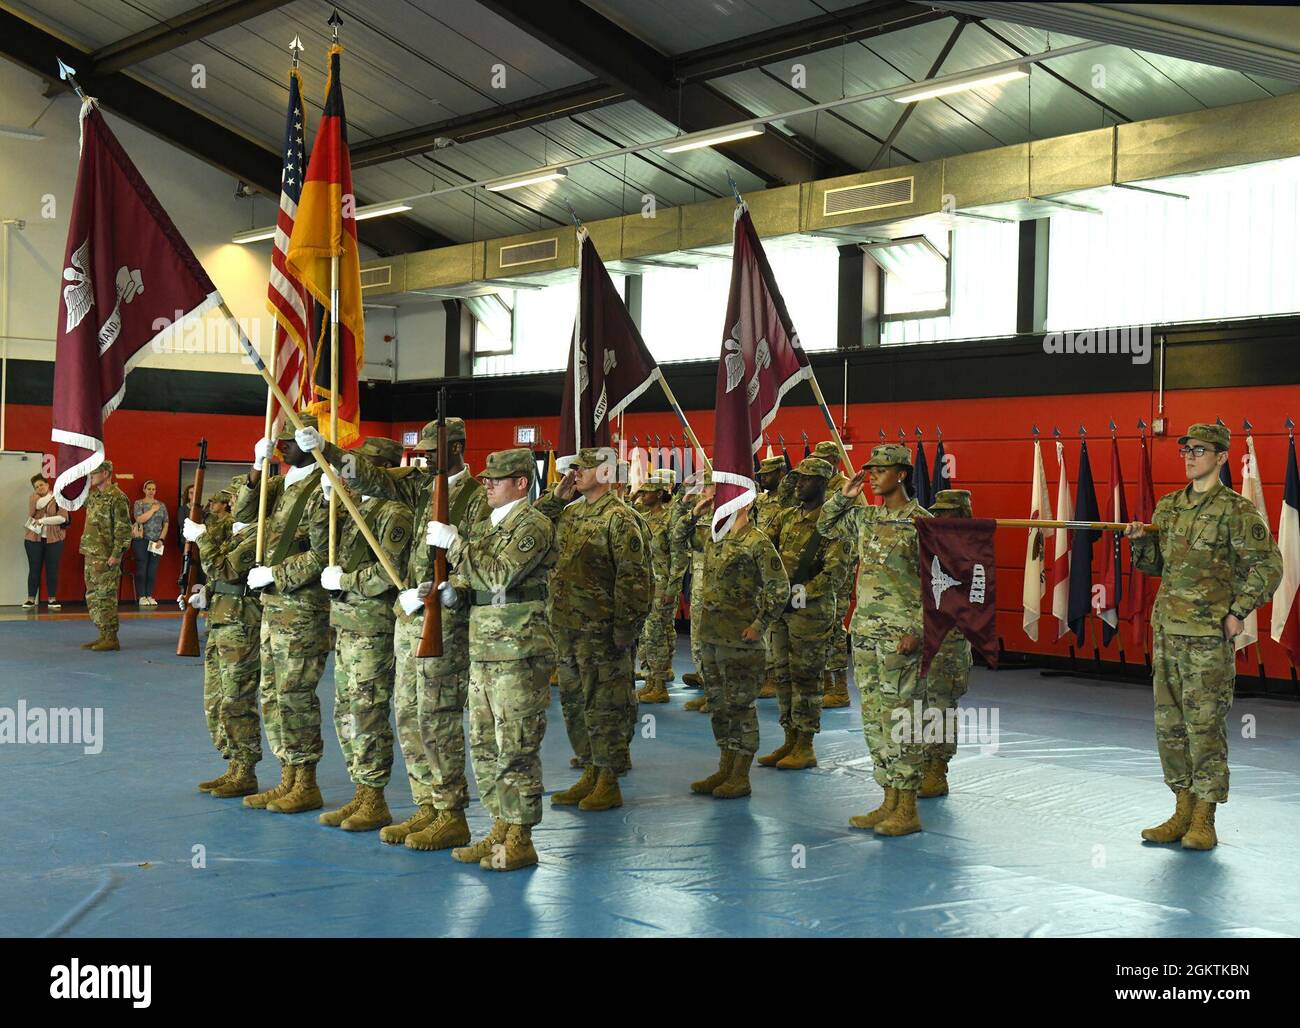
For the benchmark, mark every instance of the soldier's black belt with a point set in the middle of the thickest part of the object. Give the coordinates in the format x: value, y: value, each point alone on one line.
x: 230, y: 588
x: 486, y: 598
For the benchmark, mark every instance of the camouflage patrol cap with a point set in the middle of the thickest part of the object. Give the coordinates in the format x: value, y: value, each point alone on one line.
x: 888, y: 455
x: 226, y: 496
x: 771, y: 464
x: 428, y: 440
x: 377, y: 447
x: 827, y: 450
x: 1219, y: 435
x: 952, y: 499
x: 105, y: 466
x: 513, y: 463
x: 815, y: 467
x: 661, y: 480
x: 595, y: 457
x: 287, y: 430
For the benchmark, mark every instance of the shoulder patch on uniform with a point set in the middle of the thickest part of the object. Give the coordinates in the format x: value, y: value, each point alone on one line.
x: 398, y: 534
x: 1259, y: 532
x: 634, y: 543
x: 527, y: 543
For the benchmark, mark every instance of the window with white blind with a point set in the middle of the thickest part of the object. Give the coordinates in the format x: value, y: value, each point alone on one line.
x: 983, y: 300
x: 1227, y: 251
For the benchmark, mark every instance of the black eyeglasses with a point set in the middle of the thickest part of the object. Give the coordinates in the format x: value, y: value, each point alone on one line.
x: 1194, y: 451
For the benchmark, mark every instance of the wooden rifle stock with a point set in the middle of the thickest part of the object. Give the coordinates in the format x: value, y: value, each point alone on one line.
x: 431, y: 633
x: 188, y: 643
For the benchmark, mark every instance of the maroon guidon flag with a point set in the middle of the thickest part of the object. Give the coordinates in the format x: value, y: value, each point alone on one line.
x: 761, y: 361
x: 614, y: 367
x: 129, y: 280
x: 958, y: 584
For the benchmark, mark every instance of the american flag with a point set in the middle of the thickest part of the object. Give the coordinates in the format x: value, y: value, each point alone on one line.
x: 286, y: 296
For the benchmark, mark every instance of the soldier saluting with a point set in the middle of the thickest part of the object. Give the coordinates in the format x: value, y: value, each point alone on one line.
x: 1217, y: 563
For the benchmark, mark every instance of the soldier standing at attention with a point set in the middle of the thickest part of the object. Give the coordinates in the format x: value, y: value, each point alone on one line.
x: 659, y: 637
x: 231, y: 654
x: 601, y: 589
x: 295, y: 621
x: 361, y: 613
x: 886, y: 627
x: 1217, y: 563
x: 499, y: 571
x: 430, y: 693
x: 801, y: 636
x: 692, y: 556
x: 771, y: 476
x: 745, y: 587
x: 105, y: 537
x: 949, y: 676
x: 836, y: 678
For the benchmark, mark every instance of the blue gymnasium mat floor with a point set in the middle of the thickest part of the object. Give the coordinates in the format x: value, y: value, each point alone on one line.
x: 1038, y: 838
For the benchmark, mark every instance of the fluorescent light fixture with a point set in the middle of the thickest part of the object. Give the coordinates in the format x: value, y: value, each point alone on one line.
x: 960, y: 85
x: 702, y: 139
x: 914, y: 259
x: 529, y: 179
x: 374, y: 210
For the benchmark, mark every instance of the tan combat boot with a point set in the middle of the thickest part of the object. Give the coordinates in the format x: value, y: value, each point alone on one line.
x: 261, y: 799
x: 577, y: 792
x: 641, y: 675
x: 516, y: 852
x: 837, y: 690
x: 555, y: 678
x: 879, y: 814
x: 801, y: 756
x: 605, y: 796
x: 768, y: 689
x: 700, y: 704
x: 370, y: 814
x: 212, y: 783
x: 334, y: 818
x: 448, y: 829
x: 305, y: 794
x: 737, y: 783
x: 1201, y: 835
x: 109, y: 642
x: 934, y: 779
x: 903, y: 819
x: 420, y: 820
x: 1176, y: 827
x: 655, y: 691
x: 94, y: 642
x: 242, y: 782
x: 777, y: 754
x: 476, y: 852
x: 705, y: 786
x: 693, y: 679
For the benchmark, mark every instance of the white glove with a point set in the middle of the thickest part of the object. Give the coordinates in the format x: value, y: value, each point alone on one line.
x: 449, y: 595
x: 326, y: 486
x: 410, y: 600
x: 441, y: 535
x: 308, y: 439
x: 191, y: 530
x: 331, y: 578
x: 199, y: 598
x: 239, y: 526
x: 259, y: 577
x: 261, y: 451
x: 52, y: 519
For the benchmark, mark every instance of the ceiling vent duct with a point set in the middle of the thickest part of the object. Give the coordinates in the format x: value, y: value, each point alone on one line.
x: 868, y: 197
x: 528, y: 253
x: 376, y: 276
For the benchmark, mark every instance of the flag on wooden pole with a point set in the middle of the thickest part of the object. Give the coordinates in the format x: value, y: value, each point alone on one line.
x: 1253, y: 489
x: 1285, y: 627
x: 1060, y: 553
x: 1035, y: 586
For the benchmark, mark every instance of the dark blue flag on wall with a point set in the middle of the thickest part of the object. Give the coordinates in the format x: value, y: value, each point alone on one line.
x: 1085, y: 509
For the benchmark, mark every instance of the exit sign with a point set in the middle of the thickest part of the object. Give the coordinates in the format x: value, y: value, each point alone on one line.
x: 410, y: 438
x: 525, y: 435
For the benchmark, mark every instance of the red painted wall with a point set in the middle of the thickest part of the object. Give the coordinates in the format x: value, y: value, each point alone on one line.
x: 989, y: 438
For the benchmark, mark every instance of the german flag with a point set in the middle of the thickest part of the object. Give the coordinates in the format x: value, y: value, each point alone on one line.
x: 326, y: 227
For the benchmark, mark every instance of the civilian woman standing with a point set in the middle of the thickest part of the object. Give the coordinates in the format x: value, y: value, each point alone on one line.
x: 148, y: 531
x: 43, y: 540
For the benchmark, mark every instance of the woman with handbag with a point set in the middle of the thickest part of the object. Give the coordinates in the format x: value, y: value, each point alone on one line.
x: 43, y: 540
x: 148, y: 529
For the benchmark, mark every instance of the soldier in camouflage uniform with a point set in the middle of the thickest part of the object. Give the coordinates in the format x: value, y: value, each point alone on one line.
x: 692, y: 557
x: 836, y: 677
x: 949, y: 675
x: 430, y: 693
x: 659, y: 636
x: 105, y: 537
x: 887, y: 629
x: 361, y: 613
x: 601, y: 589
x: 745, y: 588
x: 499, y: 571
x: 1217, y: 563
x: 801, y: 635
x: 232, y: 652
x: 294, y: 634
x: 771, y: 476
